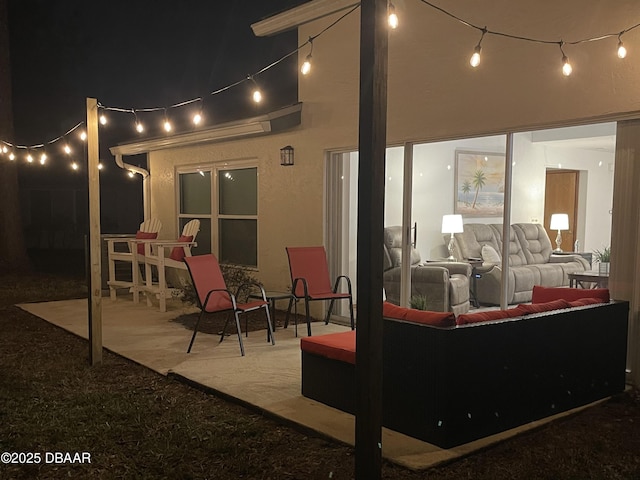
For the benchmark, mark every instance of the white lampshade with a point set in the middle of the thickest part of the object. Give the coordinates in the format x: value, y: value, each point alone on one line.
x: 452, y: 224
x: 559, y: 221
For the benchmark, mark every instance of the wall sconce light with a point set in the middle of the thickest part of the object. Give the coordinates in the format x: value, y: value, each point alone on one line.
x: 286, y: 156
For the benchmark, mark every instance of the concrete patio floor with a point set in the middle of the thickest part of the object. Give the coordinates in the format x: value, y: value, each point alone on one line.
x: 267, y: 377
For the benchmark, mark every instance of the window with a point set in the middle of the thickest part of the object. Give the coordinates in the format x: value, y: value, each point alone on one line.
x: 227, y: 209
x: 195, y: 202
x: 238, y: 216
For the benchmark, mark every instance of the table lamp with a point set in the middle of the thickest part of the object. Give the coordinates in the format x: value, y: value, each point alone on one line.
x: 452, y: 224
x: 559, y: 221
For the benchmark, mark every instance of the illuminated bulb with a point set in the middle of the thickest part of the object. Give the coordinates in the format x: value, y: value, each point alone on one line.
x: 12, y: 156
x: 622, y: 51
x: 393, y: 18
x: 74, y: 166
x: 100, y: 167
x: 475, y: 58
x: 167, y: 126
x: 103, y: 119
x: 201, y: 173
x: 43, y: 159
x: 257, y: 96
x: 566, y: 66
x: 4, y: 149
x: 83, y: 135
x: 131, y: 174
x: 306, y: 66
x: 67, y: 149
x: 29, y: 158
x: 197, y: 118
x: 139, y: 127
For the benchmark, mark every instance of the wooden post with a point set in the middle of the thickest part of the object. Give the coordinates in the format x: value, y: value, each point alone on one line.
x: 95, y: 278
x: 372, y: 145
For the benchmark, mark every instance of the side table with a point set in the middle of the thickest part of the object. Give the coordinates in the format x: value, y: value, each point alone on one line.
x: 594, y: 279
x: 272, y: 297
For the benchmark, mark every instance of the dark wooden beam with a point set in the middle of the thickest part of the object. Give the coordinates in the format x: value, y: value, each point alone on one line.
x: 372, y: 144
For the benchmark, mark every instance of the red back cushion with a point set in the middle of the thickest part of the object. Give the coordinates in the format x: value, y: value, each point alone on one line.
x: 546, y: 294
x: 391, y: 310
x: 177, y: 253
x: 581, y: 302
x: 477, y: 317
x: 144, y: 236
x: 309, y: 263
x: 527, y: 308
x: 426, y: 317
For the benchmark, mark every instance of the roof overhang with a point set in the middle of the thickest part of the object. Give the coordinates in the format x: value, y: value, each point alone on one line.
x: 276, y: 121
x: 305, y: 13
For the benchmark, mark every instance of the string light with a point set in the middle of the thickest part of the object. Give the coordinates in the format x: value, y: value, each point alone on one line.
x: 167, y: 124
x: 257, y: 94
x: 67, y: 149
x: 4, y: 149
x: 43, y: 158
x: 474, y: 61
x: 566, y: 66
x: 393, y: 18
x: 622, y: 50
x: 306, y: 66
x: 131, y: 174
x: 100, y: 166
x: 74, y: 166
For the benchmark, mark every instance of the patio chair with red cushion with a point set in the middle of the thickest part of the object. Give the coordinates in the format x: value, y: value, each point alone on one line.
x: 310, y: 281
x: 213, y: 296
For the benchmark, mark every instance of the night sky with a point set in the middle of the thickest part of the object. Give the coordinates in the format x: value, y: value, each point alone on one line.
x: 137, y: 54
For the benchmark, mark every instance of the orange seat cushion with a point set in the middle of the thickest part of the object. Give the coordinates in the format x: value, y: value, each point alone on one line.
x: 546, y: 294
x: 337, y: 346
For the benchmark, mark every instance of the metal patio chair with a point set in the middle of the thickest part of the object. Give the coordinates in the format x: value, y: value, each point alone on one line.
x: 213, y: 296
x: 310, y: 281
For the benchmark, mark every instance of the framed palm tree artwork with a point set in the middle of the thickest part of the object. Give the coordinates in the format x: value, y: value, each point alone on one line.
x: 479, y: 184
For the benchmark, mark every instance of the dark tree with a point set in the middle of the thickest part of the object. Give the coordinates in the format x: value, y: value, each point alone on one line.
x: 13, y: 253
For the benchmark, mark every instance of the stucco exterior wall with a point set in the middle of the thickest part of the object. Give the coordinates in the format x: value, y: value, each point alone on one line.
x: 433, y: 92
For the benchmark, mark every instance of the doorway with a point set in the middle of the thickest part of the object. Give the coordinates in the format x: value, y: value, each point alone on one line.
x: 561, y: 196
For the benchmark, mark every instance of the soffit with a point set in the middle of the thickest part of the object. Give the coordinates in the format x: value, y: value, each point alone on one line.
x: 305, y: 13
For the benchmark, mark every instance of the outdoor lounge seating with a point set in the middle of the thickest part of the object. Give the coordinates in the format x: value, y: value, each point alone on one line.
x: 166, y: 256
x: 124, y: 249
x: 213, y: 296
x: 449, y: 385
x: 310, y: 282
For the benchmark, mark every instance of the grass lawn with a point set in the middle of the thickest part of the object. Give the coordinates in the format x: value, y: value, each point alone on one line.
x: 137, y: 424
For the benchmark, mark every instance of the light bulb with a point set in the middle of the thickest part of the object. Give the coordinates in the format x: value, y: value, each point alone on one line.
x: 74, y: 166
x: 100, y: 167
x: 393, y: 18
x: 103, y: 119
x: 622, y: 50
x: 139, y: 127
x: 306, y: 66
x: 12, y: 156
x: 197, y: 118
x: 4, y: 149
x: 29, y: 158
x: 566, y: 66
x: 475, y: 58
x: 167, y: 126
x: 257, y: 96
x: 131, y: 174
x: 83, y: 135
x: 67, y: 149
x: 43, y: 158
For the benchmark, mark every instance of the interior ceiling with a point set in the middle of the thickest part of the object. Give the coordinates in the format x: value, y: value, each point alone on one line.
x: 599, y: 137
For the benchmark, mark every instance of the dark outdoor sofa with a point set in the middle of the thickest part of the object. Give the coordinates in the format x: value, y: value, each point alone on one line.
x: 452, y: 385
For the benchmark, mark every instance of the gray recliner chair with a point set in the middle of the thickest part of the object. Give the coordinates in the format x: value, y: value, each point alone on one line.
x: 445, y: 285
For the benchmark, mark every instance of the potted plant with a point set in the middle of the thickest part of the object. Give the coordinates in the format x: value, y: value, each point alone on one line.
x: 603, y: 257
